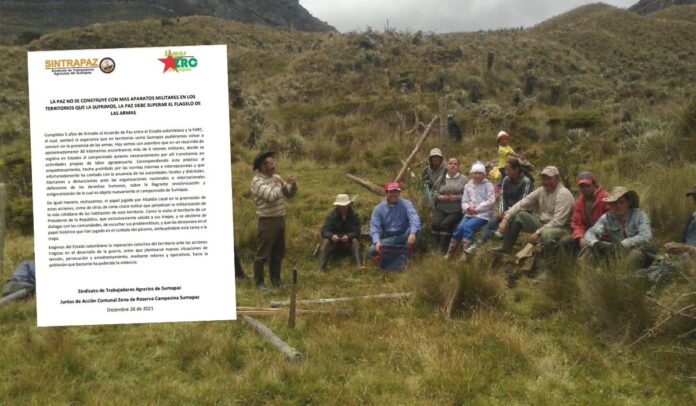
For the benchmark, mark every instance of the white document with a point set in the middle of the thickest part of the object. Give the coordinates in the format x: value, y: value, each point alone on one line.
x: 132, y: 185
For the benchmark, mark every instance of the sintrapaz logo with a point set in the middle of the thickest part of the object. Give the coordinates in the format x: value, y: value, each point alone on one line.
x: 72, y: 66
x: 178, y: 61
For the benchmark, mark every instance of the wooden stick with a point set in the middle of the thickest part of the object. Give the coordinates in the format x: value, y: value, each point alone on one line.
x: 378, y: 190
x: 344, y: 299
x: 290, y: 353
x: 20, y: 294
x: 293, y: 300
x: 343, y: 311
x: 3, y: 205
x: 415, y: 150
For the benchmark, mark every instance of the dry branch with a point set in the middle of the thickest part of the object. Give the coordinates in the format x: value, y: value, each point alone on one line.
x: 344, y: 299
x: 378, y: 190
x: 290, y: 353
x: 415, y: 150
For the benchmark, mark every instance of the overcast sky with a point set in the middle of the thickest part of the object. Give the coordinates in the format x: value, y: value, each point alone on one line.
x: 441, y: 15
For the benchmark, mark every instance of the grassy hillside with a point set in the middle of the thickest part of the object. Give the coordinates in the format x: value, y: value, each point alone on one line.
x: 24, y: 20
x: 597, y: 88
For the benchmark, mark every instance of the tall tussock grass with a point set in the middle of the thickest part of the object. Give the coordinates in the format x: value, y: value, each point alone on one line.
x: 614, y: 301
x: 456, y: 287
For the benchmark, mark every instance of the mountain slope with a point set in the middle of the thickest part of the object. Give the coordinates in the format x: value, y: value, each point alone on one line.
x: 22, y: 19
x: 645, y: 7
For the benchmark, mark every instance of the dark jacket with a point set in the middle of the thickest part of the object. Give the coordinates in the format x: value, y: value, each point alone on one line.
x: 335, y: 224
x: 513, y: 191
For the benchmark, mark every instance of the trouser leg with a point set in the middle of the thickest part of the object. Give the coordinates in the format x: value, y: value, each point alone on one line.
x: 274, y: 266
x: 258, y: 272
x: 355, y: 251
x: 324, y: 251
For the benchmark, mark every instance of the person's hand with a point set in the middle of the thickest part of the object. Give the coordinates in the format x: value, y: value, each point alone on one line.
x: 471, y: 211
x: 411, y: 240
x: 453, y: 198
x: 344, y: 238
x: 582, y: 242
x: 502, y: 227
x: 379, y: 246
x: 534, y: 238
x: 291, y: 179
x: 334, y: 238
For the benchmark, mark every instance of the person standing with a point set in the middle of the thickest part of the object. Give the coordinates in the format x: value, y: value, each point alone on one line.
x: 270, y: 191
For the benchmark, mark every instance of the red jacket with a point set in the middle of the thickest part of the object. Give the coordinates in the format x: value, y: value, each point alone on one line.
x: 579, y: 222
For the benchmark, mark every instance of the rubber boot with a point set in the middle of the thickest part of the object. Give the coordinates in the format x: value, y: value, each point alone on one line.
x: 435, y: 241
x: 465, y: 246
x: 258, y: 275
x: 509, y: 239
x: 452, y: 250
x: 511, y: 235
x: 355, y: 252
x: 274, y: 266
x: 323, y: 255
x: 445, y: 239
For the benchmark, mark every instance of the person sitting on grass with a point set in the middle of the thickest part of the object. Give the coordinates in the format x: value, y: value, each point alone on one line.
x: 24, y: 277
x: 623, y: 231
x: 515, y: 187
x: 687, y: 243
x: 340, y: 232
x: 477, y: 206
x: 554, y: 206
x: 680, y: 255
x: 394, y: 221
x: 448, y: 205
x: 589, y: 207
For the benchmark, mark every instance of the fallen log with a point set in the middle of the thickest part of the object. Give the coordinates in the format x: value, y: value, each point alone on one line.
x: 410, y: 158
x: 344, y: 299
x: 378, y: 190
x: 290, y: 353
x: 20, y: 294
x: 273, y: 311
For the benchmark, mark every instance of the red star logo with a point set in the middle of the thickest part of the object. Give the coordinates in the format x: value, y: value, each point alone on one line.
x: 169, y: 63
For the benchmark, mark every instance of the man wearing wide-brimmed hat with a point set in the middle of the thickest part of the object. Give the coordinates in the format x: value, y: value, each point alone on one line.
x: 340, y: 232
x: 545, y: 213
x: 269, y: 191
x: 624, y: 230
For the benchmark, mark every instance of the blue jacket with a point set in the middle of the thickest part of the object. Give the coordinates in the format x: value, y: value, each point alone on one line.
x: 636, y: 233
x: 393, y: 220
x: 689, y: 233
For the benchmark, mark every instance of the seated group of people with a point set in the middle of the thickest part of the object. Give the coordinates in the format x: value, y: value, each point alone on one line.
x: 596, y: 226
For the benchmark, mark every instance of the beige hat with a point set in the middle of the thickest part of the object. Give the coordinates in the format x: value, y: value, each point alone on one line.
x: 435, y: 152
x: 550, y: 171
x: 502, y: 134
x: 342, y: 200
x: 620, y: 191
